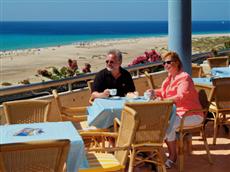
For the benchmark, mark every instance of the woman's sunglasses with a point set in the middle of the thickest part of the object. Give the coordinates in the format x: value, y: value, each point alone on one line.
x: 167, y: 62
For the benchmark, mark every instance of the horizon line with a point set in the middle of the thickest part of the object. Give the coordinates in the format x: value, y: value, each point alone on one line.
x: 105, y: 20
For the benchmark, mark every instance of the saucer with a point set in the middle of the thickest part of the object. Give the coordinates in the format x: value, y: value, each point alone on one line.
x: 115, y: 97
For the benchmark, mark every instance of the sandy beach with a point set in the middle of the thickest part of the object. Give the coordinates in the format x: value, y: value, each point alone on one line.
x: 23, y: 64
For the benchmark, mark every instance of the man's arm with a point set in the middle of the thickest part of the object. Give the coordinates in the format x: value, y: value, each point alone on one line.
x: 103, y: 94
x: 98, y: 87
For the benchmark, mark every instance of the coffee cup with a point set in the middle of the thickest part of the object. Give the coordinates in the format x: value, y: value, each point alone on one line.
x: 113, y: 92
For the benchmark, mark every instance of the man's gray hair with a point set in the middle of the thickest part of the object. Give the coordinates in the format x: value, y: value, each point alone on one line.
x: 117, y: 53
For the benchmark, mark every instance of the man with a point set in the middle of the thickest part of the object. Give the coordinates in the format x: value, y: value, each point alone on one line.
x: 112, y: 77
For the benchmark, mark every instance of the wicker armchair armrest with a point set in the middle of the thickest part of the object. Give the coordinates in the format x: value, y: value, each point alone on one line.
x: 74, y: 118
x: 108, y: 149
x: 146, y: 145
x: 74, y: 110
x: 97, y: 134
x: 91, y: 99
x: 224, y: 110
x: 93, y: 129
x: 116, y: 124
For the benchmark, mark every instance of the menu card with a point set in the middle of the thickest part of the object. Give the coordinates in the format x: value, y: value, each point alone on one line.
x: 29, y: 132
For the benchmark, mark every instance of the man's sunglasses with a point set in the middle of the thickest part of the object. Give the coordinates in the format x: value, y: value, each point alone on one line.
x: 109, y: 61
x: 167, y: 62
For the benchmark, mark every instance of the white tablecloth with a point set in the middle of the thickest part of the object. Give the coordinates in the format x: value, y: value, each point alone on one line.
x: 103, y: 111
x: 221, y: 71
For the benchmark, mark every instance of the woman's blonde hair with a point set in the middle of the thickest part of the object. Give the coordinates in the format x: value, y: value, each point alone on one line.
x: 174, y: 56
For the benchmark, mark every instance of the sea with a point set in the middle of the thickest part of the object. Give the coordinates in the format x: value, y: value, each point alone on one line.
x: 24, y: 35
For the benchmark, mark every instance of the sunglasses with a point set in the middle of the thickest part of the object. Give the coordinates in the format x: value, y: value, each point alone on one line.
x: 109, y: 61
x: 167, y: 62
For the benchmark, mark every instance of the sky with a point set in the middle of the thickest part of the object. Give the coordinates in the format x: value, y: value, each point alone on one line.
x: 106, y: 10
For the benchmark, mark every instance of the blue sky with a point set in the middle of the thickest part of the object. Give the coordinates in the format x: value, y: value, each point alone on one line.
x: 75, y: 10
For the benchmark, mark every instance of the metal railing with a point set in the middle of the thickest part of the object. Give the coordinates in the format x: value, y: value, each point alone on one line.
x: 67, y: 81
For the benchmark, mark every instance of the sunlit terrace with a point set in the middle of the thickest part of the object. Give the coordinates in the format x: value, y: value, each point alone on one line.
x: 195, y: 156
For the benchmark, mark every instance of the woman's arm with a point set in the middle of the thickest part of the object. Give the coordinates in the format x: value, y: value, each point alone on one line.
x: 158, y: 92
x: 182, y: 92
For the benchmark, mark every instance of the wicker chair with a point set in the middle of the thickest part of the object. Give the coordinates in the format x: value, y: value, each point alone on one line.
x: 218, y: 61
x: 205, y: 96
x: 221, y: 108
x: 125, y: 136
x: 46, y: 156
x: 150, y: 133
x: 149, y: 80
x: 90, y: 86
x: 197, y: 71
x: 74, y: 114
x: 26, y: 111
x: 78, y: 116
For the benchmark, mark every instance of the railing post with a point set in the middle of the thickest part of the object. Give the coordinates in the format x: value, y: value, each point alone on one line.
x: 138, y: 73
x: 70, y: 87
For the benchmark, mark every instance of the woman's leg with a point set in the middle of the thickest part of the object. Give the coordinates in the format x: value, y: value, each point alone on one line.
x: 171, y: 133
x: 170, y: 138
x: 172, y: 150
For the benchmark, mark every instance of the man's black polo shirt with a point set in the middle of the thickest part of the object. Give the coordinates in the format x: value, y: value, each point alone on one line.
x: 104, y: 79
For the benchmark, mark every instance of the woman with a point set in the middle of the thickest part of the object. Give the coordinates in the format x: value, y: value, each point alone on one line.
x: 179, y: 88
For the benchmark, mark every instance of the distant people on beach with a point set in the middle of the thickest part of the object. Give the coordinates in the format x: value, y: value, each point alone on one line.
x: 72, y: 64
x: 86, y: 69
x: 112, y: 77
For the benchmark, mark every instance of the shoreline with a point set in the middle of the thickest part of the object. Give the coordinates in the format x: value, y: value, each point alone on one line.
x: 6, y: 52
x: 18, y: 65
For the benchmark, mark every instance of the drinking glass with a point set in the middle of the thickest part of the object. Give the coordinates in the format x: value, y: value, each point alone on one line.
x: 147, y: 95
